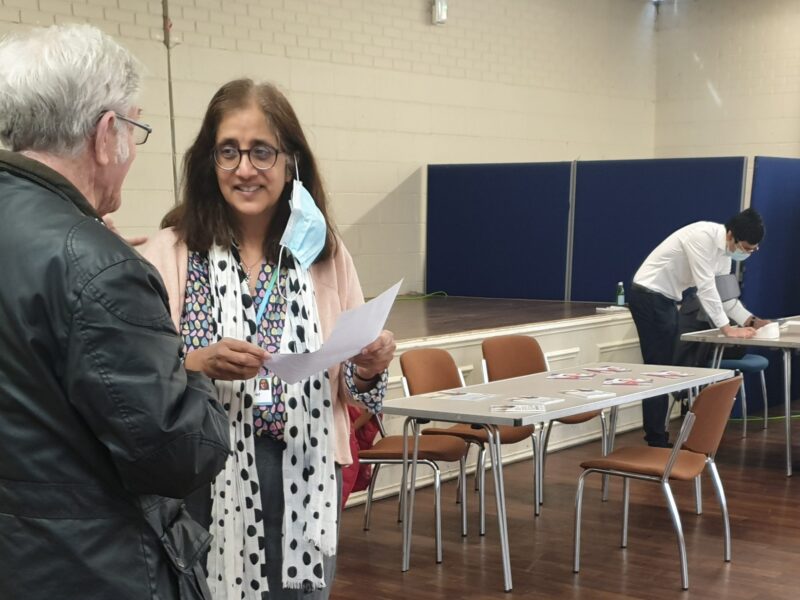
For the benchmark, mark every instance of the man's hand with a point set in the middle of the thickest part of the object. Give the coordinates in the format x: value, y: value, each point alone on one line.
x: 133, y: 241
x: 737, y: 332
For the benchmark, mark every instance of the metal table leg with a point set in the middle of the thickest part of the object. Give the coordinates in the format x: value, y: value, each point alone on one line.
x: 538, y: 460
x: 500, y: 497
x: 787, y: 398
x: 611, y: 432
x: 409, y: 503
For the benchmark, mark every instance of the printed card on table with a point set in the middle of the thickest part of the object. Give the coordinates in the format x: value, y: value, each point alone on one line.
x: 534, y: 400
x: 667, y: 374
x: 572, y: 376
x: 632, y: 381
x: 607, y: 369
x: 590, y: 394
x: 459, y: 395
x: 519, y: 408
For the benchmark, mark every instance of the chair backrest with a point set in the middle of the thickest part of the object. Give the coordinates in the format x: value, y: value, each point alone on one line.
x: 712, y: 407
x: 429, y: 370
x: 509, y: 356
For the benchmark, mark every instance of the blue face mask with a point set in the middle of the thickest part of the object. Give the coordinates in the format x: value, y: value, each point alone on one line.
x: 306, y: 230
x: 738, y: 254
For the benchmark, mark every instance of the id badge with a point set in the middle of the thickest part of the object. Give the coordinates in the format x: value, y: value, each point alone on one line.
x: 263, y: 391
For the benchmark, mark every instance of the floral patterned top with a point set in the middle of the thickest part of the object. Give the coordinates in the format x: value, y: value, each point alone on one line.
x: 198, y: 330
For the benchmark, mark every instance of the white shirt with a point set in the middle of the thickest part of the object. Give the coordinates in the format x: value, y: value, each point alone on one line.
x: 693, y: 256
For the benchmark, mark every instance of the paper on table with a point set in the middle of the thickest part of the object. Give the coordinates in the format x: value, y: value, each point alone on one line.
x: 456, y: 395
x: 524, y: 408
x: 627, y: 381
x: 536, y: 400
x: 590, y: 394
x: 354, y: 329
x: 770, y: 331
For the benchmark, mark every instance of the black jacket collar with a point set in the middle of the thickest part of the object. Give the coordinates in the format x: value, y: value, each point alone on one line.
x: 40, y: 174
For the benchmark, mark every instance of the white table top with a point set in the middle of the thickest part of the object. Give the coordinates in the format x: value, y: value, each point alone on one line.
x: 713, y: 336
x: 424, y: 406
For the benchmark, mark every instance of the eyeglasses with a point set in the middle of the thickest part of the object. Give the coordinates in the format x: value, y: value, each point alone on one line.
x: 262, y: 156
x: 141, y: 132
x: 749, y: 250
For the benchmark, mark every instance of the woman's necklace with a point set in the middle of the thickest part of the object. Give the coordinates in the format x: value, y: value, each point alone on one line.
x: 248, y: 270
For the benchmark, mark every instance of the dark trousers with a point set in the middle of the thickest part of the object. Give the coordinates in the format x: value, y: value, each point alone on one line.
x: 269, y: 464
x: 656, y: 320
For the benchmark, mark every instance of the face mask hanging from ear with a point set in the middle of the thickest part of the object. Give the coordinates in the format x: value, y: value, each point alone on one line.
x: 306, y: 230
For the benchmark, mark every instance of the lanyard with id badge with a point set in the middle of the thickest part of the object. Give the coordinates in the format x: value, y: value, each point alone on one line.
x: 263, y: 396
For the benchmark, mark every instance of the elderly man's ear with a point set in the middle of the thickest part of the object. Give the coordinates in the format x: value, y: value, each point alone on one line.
x: 105, y: 139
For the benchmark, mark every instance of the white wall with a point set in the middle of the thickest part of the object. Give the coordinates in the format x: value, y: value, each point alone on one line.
x: 728, y: 79
x: 382, y: 92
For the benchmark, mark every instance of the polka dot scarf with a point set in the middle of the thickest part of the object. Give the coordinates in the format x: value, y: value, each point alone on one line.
x: 236, y: 559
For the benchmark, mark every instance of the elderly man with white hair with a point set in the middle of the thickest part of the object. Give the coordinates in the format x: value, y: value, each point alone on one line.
x: 102, y: 431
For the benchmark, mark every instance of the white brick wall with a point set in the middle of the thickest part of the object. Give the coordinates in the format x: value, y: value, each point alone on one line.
x: 729, y: 78
x: 382, y: 92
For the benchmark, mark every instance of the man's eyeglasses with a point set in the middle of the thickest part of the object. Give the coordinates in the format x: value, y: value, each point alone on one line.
x: 141, y: 130
x: 262, y: 156
x: 748, y: 249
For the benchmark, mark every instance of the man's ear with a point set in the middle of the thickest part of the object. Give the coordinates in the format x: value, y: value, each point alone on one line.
x: 105, y: 139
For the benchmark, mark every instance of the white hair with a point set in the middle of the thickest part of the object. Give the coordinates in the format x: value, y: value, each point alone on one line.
x: 55, y: 83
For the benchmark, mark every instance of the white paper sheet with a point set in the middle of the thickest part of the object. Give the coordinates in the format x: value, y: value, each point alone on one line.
x: 353, y: 330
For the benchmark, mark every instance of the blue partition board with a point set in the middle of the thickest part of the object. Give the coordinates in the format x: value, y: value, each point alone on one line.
x: 771, y: 288
x: 625, y: 208
x: 498, y: 230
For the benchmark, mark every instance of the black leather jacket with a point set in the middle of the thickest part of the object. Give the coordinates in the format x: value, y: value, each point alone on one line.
x: 100, y: 426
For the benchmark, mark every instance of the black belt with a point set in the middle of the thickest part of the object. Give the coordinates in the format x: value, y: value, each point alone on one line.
x: 641, y: 288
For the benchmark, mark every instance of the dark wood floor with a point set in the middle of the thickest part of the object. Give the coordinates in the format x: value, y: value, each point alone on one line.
x: 413, y: 318
x: 765, y: 522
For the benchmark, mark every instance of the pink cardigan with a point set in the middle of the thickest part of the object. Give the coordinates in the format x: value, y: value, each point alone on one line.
x: 337, y: 289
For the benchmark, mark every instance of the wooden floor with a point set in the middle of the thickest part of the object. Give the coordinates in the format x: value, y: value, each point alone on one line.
x: 765, y: 522
x: 419, y: 317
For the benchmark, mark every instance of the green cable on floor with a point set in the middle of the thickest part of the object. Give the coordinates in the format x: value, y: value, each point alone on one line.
x: 780, y: 418
x: 423, y: 296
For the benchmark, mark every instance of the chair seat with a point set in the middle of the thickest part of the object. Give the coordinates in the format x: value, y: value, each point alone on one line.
x: 508, y: 433
x: 645, y: 460
x: 581, y: 418
x: 445, y: 448
x: 749, y: 363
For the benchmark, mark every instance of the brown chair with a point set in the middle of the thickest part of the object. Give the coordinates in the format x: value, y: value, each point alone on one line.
x: 694, y: 450
x: 388, y: 450
x: 508, y: 356
x: 428, y: 370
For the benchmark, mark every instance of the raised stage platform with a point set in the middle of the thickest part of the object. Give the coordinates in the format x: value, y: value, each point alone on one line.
x: 423, y: 317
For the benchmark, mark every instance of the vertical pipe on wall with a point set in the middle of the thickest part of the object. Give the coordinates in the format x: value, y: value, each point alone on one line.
x: 570, y: 231
x: 169, y: 45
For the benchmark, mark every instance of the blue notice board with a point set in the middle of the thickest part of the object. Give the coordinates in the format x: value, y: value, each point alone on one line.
x: 498, y: 230
x: 625, y: 208
x: 771, y: 287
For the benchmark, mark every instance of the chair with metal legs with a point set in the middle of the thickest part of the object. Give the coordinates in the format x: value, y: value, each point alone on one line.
x: 508, y: 356
x: 749, y: 363
x: 388, y: 450
x: 428, y: 370
x: 693, y: 452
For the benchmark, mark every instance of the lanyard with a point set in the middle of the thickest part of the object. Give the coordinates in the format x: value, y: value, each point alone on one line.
x: 265, y: 298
